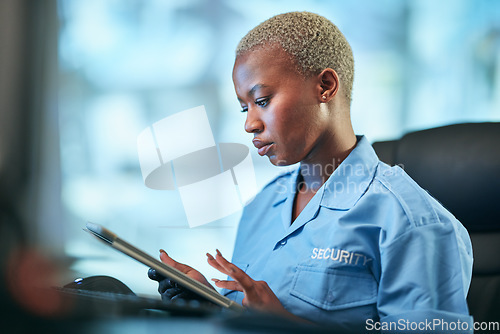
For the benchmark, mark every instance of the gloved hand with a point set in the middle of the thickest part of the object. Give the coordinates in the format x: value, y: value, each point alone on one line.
x: 170, y: 290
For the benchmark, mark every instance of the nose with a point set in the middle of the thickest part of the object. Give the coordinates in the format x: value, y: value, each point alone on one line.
x: 253, y: 123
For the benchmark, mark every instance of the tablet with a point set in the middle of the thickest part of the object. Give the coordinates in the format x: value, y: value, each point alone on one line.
x: 164, y: 269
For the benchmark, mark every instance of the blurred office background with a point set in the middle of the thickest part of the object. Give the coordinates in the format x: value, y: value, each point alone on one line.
x: 80, y: 79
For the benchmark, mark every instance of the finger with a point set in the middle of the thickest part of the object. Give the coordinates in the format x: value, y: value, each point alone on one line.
x: 172, y: 292
x: 165, y: 258
x: 217, y: 264
x: 186, y: 295
x: 221, y: 262
x: 245, y: 283
x: 153, y: 274
x: 165, y: 285
x: 234, y: 272
x: 230, y: 285
x: 212, y: 262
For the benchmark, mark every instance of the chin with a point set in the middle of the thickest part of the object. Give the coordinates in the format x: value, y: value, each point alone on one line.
x: 276, y: 161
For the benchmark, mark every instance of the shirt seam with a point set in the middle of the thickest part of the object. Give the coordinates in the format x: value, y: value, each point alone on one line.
x: 408, y: 213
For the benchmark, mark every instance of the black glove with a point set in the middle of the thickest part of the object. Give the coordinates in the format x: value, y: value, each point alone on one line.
x: 170, y: 290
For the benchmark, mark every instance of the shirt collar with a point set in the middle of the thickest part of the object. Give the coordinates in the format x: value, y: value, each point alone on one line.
x: 287, y: 187
x: 352, y: 177
x: 347, y: 183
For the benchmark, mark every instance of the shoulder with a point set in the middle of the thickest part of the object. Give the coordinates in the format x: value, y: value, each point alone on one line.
x: 418, y: 205
x: 403, y: 211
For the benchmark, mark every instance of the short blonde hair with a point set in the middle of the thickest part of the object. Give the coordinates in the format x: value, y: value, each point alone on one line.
x: 313, y: 42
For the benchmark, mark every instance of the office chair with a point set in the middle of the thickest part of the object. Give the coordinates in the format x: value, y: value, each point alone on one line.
x: 459, y: 165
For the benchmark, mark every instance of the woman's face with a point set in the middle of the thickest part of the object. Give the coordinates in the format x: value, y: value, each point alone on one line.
x: 282, y: 107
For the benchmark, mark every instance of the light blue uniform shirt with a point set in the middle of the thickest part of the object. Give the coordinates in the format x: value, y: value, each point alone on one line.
x: 371, y: 244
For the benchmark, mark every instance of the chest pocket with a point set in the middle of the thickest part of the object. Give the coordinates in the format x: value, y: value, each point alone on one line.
x: 333, y: 288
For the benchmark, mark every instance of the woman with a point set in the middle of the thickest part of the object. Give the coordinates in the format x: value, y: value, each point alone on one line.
x: 344, y: 239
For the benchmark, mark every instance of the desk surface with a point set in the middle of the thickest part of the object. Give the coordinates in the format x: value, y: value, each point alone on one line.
x: 96, y: 315
x: 161, y: 323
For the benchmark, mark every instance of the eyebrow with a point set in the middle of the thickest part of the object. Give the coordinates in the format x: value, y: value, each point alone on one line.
x: 254, y: 88
x: 252, y: 91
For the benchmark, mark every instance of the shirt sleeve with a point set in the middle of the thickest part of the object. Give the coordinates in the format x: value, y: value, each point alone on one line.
x: 422, y: 281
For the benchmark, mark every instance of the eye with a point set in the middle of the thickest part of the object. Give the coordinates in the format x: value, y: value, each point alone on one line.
x: 262, y: 102
x: 244, y: 109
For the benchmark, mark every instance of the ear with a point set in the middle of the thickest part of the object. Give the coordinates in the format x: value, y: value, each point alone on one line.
x: 328, y: 84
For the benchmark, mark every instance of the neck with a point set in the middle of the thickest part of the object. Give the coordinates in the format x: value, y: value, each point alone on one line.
x: 331, y: 151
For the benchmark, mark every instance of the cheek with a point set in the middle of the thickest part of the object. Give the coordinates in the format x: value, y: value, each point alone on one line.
x: 285, y: 118
x: 282, y: 127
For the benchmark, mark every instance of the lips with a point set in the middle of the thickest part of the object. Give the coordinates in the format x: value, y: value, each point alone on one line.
x: 262, y: 147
